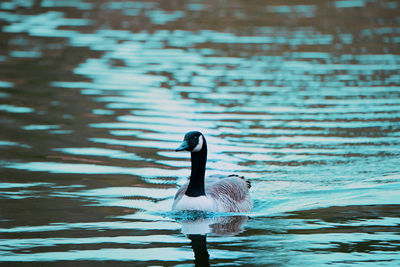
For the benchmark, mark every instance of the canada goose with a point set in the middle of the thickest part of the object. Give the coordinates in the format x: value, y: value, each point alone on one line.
x: 214, y: 193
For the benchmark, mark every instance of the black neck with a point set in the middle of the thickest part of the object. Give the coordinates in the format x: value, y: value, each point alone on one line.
x: 196, y: 183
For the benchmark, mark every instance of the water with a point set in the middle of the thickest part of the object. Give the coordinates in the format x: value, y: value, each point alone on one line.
x: 301, y: 99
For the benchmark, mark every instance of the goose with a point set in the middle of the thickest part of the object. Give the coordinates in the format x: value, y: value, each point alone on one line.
x: 215, y: 193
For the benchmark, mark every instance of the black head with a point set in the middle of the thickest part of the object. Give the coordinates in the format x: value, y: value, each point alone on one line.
x: 192, y: 142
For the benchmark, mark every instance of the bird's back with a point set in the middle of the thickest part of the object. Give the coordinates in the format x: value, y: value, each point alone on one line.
x: 230, y: 193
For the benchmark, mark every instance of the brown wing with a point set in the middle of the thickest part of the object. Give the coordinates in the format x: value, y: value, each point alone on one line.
x: 231, y: 192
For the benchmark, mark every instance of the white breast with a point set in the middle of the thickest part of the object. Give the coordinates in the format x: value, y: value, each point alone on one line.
x: 195, y: 203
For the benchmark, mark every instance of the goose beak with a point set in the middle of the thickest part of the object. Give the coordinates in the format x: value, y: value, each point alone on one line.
x: 183, y: 146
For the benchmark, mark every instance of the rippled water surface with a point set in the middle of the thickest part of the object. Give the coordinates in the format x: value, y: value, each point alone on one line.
x: 300, y: 97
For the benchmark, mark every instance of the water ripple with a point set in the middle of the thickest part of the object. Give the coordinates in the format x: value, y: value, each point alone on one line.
x: 303, y: 100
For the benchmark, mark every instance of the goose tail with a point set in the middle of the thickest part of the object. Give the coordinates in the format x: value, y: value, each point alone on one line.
x: 242, y: 177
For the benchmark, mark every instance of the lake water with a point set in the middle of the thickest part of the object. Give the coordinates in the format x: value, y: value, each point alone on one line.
x: 300, y: 97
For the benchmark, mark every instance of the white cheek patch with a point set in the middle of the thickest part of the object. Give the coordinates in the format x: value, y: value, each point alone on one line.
x: 199, y: 145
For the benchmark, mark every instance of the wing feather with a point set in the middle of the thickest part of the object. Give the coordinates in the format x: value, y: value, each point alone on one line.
x: 231, y: 194
x: 181, y: 191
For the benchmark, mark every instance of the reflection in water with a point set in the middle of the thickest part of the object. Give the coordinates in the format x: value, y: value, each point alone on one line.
x: 197, y: 225
x: 301, y: 99
x: 202, y: 223
x: 199, y: 246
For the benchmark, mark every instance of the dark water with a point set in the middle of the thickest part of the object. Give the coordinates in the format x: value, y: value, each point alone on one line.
x: 301, y: 97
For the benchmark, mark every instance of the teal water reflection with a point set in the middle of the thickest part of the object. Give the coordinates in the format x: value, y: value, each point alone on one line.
x: 303, y: 99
